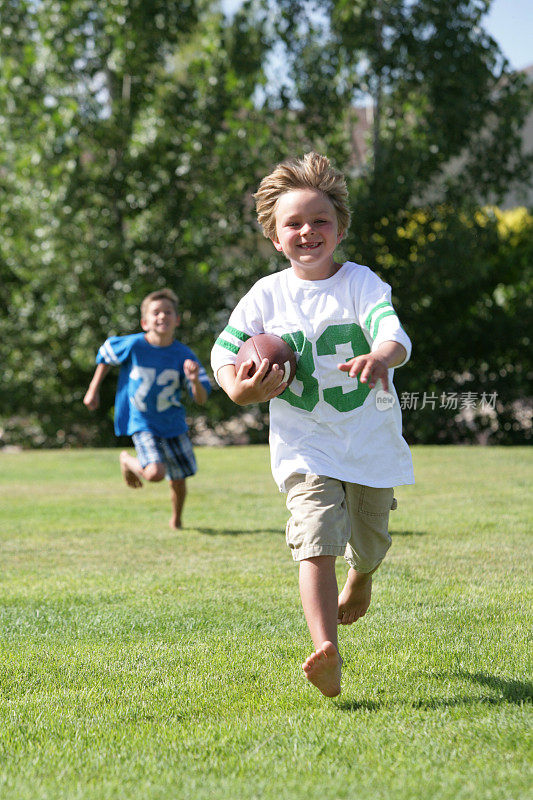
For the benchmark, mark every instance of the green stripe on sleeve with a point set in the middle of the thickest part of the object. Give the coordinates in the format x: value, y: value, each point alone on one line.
x: 392, y: 312
x: 238, y: 334
x: 376, y: 308
x: 227, y: 345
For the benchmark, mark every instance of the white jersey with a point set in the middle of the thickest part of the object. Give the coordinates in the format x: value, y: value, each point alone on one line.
x: 326, y: 422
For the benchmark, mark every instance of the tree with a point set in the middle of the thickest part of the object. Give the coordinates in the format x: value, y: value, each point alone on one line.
x: 124, y: 170
x: 135, y: 133
x: 445, y: 139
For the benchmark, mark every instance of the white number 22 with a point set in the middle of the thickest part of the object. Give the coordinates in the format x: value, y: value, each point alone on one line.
x: 169, y: 379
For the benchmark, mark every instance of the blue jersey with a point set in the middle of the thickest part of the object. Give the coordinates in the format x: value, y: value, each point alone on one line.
x: 149, y: 384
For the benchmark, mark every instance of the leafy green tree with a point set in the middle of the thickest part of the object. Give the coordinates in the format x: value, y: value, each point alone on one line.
x: 130, y: 133
x: 444, y: 139
x: 134, y: 134
x: 470, y: 375
x: 439, y: 90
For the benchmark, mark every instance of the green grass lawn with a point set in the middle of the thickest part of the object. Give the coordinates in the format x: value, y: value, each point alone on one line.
x: 141, y: 663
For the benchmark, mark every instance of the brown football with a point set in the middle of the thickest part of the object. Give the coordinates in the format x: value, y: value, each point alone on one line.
x: 272, y: 347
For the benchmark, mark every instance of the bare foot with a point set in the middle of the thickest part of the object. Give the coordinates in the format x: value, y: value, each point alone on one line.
x: 323, y: 669
x: 131, y: 477
x: 175, y: 524
x: 354, y: 599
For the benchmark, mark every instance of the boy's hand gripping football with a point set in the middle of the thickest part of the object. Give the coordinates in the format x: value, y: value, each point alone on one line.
x: 257, y: 389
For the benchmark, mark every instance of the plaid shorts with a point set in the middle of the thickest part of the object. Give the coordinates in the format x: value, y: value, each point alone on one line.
x: 176, y: 453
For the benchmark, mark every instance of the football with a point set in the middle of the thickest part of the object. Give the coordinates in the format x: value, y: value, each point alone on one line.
x: 272, y: 347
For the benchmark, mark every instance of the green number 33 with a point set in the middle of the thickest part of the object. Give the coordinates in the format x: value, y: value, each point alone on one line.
x: 326, y: 345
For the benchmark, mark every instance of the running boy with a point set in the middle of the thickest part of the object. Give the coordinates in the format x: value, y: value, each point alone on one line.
x: 335, y: 432
x: 153, y: 368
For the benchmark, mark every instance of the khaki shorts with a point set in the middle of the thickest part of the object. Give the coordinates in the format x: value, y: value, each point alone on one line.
x: 335, y: 518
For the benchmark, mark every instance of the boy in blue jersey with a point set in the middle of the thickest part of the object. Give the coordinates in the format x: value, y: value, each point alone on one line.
x: 153, y: 368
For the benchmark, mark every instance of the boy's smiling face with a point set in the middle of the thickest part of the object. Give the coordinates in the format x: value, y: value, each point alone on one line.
x: 307, y: 233
x: 160, y: 322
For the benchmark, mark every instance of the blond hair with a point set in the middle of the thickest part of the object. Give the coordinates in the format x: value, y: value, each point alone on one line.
x: 313, y: 171
x: 159, y: 294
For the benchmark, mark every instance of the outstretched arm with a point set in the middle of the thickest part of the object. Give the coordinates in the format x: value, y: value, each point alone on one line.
x: 257, y: 389
x: 92, y: 395
x: 375, y: 366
